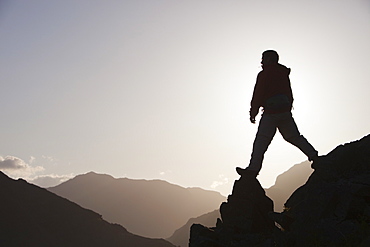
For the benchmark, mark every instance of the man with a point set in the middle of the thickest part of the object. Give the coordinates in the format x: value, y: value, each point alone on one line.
x: 273, y: 92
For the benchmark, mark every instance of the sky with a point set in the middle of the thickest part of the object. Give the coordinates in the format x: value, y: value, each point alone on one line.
x: 160, y: 89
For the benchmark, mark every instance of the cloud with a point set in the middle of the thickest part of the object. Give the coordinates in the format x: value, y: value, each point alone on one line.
x: 163, y: 173
x: 222, y: 180
x: 12, y: 163
x: 48, y: 158
x: 16, y: 167
x: 50, y: 180
x: 31, y: 160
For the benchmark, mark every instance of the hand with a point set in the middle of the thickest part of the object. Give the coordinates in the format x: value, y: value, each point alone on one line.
x: 253, y: 112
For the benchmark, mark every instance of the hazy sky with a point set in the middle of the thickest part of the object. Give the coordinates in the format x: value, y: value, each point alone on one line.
x: 161, y: 88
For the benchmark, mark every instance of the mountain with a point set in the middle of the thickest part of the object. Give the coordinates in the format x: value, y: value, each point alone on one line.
x: 150, y: 208
x: 287, y: 183
x: 32, y: 216
x: 331, y: 209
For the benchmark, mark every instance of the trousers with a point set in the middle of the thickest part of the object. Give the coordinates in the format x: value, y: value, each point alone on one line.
x: 286, y: 125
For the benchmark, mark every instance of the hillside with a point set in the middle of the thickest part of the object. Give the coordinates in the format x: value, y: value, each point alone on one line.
x: 34, y: 217
x: 150, y: 208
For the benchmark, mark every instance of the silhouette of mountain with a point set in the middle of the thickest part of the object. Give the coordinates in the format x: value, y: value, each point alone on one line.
x: 331, y: 209
x: 32, y: 216
x: 287, y: 183
x: 150, y: 208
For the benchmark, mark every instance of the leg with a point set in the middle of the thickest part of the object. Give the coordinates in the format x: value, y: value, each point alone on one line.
x: 264, y: 136
x: 290, y: 133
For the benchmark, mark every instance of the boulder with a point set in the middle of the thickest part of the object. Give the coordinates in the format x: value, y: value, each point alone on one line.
x: 244, y: 219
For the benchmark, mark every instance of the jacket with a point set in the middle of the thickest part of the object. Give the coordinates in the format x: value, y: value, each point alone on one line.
x: 273, y: 80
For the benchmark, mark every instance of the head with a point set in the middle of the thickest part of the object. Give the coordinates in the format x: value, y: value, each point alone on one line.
x: 269, y: 57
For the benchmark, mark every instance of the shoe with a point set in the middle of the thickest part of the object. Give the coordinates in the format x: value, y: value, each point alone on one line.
x: 317, y: 162
x: 246, y: 172
x: 313, y: 158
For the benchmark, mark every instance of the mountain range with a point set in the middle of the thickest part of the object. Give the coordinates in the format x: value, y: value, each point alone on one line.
x: 32, y: 216
x: 131, y: 202
x: 150, y: 208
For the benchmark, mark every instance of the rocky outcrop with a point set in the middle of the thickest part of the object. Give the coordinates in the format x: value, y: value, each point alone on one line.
x: 331, y: 209
x: 244, y: 219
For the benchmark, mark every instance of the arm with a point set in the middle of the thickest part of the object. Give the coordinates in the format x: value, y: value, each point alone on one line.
x: 257, y: 98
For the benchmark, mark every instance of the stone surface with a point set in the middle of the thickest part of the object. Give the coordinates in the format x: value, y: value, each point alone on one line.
x: 244, y: 219
x: 333, y: 207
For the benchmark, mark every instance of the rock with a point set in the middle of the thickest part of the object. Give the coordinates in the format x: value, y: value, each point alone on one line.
x: 247, y: 208
x: 244, y: 219
x: 332, y: 208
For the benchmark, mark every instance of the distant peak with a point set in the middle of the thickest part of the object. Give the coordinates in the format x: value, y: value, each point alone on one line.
x: 94, y: 174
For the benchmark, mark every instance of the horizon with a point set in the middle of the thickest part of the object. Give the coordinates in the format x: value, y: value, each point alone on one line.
x: 161, y: 90
x: 47, y: 183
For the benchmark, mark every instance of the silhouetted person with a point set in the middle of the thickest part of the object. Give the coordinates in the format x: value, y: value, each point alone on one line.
x: 273, y: 92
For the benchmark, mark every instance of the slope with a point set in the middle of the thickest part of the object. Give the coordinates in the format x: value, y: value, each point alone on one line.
x: 32, y: 216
